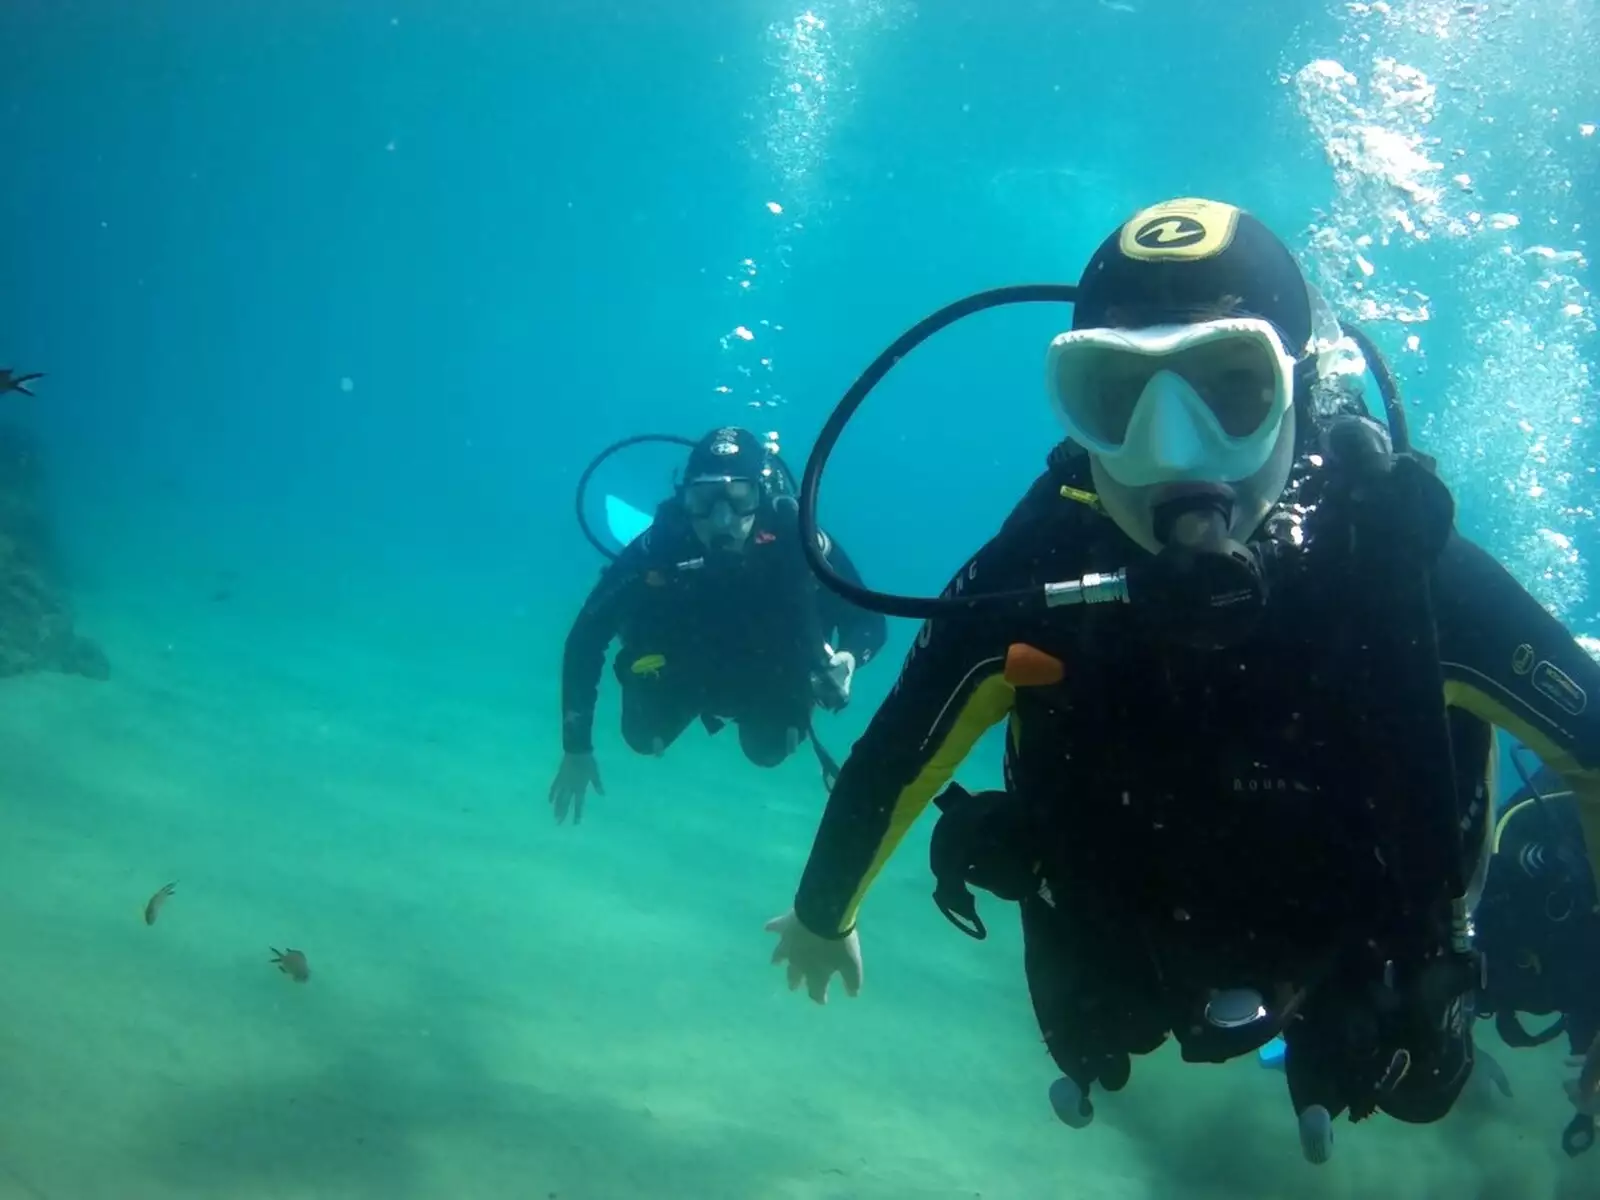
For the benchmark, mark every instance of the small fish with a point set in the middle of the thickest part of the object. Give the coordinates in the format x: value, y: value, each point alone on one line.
x: 152, y: 906
x: 292, y: 963
x: 11, y: 382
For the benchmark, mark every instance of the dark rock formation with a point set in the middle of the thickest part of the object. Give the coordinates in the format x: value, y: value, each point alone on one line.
x: 36, y: 626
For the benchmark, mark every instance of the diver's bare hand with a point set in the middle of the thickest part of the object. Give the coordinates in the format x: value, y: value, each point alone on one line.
x: 11, y: 382
x: 814, y: 960
x: 578, y: 773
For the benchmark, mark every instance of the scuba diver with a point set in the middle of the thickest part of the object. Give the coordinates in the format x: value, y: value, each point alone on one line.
x: 720, y: 620
x: 1250, y: 673
x: 1539, y: 932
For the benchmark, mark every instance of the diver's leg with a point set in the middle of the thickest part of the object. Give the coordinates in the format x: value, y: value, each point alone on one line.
x: 772, y: 724
x: 1052, y: 988
x: 767, y: 743
x: 1436, y: 1074
x: 657, y: 706
x: 1087, y: 998
x: 1313, y: 1056
x: 1327, y: 1053
x: 1315, y: 1052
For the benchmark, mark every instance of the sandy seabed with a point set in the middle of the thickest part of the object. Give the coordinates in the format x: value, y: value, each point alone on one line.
x: 502, y: 1008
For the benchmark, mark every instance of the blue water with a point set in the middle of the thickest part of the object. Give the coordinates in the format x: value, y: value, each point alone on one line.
x: 336, y: 301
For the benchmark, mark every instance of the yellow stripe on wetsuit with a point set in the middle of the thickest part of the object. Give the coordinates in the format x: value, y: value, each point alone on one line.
x: 989, y: 703
x: 993, y: 699
x: 1585, y: 783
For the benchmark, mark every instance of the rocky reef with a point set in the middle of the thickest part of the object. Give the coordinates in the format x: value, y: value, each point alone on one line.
x: 36, y: 625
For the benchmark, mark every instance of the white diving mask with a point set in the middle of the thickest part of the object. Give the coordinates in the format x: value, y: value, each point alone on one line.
x: 1174, y: 403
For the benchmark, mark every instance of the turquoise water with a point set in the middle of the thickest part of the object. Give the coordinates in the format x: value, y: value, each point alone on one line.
x: 337, y: 300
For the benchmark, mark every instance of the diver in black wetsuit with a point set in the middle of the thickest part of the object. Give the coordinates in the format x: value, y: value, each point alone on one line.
x: 719, y: 621
x: 1539, y: 929
x: 1245, y: 793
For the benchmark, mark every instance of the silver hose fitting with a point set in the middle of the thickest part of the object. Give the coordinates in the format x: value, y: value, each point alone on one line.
x: 1093, y: 588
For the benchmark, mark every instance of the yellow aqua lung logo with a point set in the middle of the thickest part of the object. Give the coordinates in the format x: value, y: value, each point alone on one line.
x: 1180, y: 230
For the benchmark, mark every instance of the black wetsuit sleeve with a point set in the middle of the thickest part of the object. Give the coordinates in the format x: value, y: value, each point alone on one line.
x: 855, y: 629
x: 620, y: 587
x: 951, y: 689
x: 1509, y: 662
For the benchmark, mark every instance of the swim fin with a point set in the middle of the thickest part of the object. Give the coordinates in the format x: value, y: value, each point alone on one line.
x: 625, y: 521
